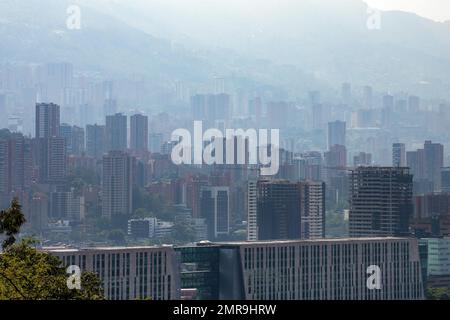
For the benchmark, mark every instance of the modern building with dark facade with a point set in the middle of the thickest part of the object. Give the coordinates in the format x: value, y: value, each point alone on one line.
x: 337, y: 134
x: 215, y: 208
x: 116, y: 132
x: 282, y: 210
x: 380, y: 201
x: 139, y: 133
x: 47, y: 120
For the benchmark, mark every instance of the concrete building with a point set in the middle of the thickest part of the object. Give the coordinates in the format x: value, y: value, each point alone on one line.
x: 116, y: 132
x: 445, y: 180
x: 398, y: 155
x: 95, y: 141
x: 117, y: 184
x: 281, y: 209
x: 336, y: 134
x: 129, y: 273
x: 332, y: 269
x: 139, y: 133
x: 215, y: 209
x: 75, y: 139
x: 47, y: 120
x: 380, y: 201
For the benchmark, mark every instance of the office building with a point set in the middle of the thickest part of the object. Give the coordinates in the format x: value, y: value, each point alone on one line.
x: 211, y: 108
x: 47, y: 120
x: 280, y: 209
x: 445, y: 180
x: 116, y: 132
x: 215, y: 208
x: 139, y: 133
x: 434, y: 161
x: 303, y: 270
x: 15, y: 166
x: 426, y: 165
x: 380, y: 201
x: 95, y: 140
x: 398, y: 155
x: 129, y: 273
x: 117, y: 184
x: 75, y: 139
x: 337, y: 134
x: 49, y: 155
x: 142, y: 228
x: 362, y: 159
x: 66, y: 205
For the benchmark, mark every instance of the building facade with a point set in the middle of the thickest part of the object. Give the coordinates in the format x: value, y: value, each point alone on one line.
x: 117, y: 184
x: 380, y: 201
x: 129, y: 273
x: 332, y: 269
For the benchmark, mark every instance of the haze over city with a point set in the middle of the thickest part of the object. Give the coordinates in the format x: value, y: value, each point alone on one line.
x: 224, y: 150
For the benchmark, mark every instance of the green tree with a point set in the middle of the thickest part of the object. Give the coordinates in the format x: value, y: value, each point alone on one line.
x: 183, y: 232
x: 29, y: 274
x: 117, y: 236
x: 438, y: 294
x: 11, y: 220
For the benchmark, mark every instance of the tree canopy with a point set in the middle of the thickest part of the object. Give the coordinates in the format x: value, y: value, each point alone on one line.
x: 29, y: 274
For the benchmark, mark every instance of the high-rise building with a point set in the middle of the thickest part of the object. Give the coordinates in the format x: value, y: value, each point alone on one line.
x: 116, y: 132
x: 49, y: 147
x: 368, y: 97
x: 362, y: 159
x: 49, y: 155
x: 434, y: 161
x: 426, y: 165
x: 15, y: 166
x: 312, y: 210
x: 336, y: 157
x: 47, y: 120
x: 413, y: 104
x: 156, y: 142
x: 336, y: 133
x: 75, y: 138
x: 66, y: 206
x: 280, y: 209
x: 211, y: 108
x: 445, y: 180
x: 215, y: 208
x: 398, y: 155
x: 95, y: 140
x: 380, y: 201
x: 278, y: 214
x: 117, y: 184
x: 139, y: 133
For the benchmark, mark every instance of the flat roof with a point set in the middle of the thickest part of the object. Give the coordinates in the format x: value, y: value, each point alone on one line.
x: 229, y: 243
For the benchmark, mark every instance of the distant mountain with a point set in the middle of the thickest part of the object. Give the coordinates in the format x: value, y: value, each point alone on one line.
x: 327, y: 38
x: 34, y: 31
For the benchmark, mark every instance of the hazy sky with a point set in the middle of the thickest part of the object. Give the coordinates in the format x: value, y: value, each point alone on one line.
x: 434, y: 9
x: 438, y: 10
